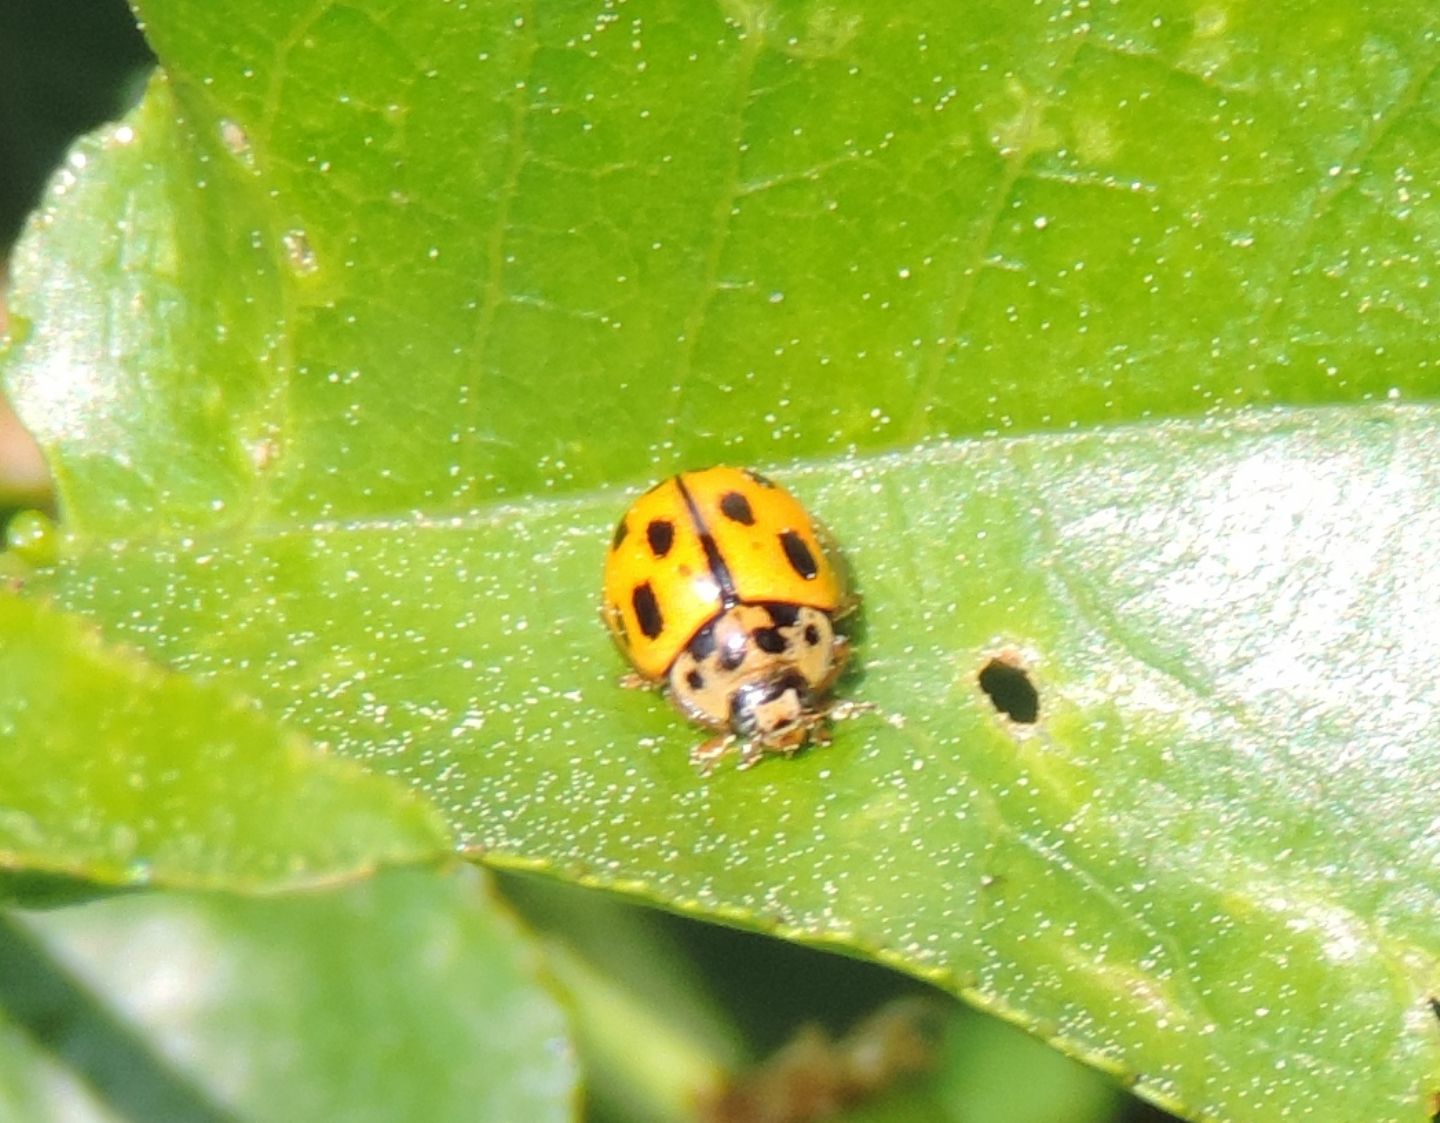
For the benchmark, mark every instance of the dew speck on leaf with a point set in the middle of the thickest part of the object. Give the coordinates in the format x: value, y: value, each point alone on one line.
x: 236, y: 140
x: 299, y: 254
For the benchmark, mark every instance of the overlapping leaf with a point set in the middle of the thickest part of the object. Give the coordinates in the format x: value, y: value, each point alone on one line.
x: 405, y: 997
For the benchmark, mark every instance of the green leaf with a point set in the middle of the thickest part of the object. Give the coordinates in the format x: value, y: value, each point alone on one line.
x: 517, y: 251
x: 980, y: 1071
x: 988, y: 1074
x: 1225, y: 815
x: 406, y: 997
x: 118, y: 771
x: 35, y: 1088
x: 346, y: 343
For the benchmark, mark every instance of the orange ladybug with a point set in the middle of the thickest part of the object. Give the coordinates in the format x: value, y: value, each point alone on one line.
x: 720, y: 588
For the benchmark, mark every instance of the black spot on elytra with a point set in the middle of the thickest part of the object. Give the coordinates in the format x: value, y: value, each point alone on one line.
x: 703, y: 645
x: 647, y: 610
x: 769, y: 640
x: 1010, y: 690
x: 812, y: 634
x: 661, y: 536
x: 736, y: 508
x: 783, y: 615
x: 801, y: 560
x: 695, y: 679
x: 620, y: 532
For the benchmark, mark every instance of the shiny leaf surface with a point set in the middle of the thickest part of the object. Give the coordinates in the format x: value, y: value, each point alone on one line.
x: 119, y: 771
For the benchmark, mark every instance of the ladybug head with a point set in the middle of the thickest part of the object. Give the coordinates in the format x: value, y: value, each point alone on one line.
x: 776, y: 709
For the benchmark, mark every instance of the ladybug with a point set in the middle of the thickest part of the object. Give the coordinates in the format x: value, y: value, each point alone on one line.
x: 721, y: 589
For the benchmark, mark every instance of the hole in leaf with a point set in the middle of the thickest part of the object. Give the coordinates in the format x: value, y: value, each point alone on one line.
x: 1010, y: 690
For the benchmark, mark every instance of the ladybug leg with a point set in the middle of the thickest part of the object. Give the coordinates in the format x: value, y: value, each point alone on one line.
x: 752, y: 752
x: 705, y: 755
x: 845, y: 709
x: 633, y: 680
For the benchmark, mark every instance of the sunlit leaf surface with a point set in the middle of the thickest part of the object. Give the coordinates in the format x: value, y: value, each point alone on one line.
x: 116, y: 770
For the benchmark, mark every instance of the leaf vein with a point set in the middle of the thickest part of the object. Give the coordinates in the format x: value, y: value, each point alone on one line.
x: 750, y: 45
x: 1332, y: 189
x: 979, y: 248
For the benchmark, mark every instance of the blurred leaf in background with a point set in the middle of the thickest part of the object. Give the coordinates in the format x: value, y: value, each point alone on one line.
x: 65, y: 66
x: 408, y: 996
